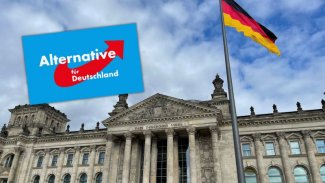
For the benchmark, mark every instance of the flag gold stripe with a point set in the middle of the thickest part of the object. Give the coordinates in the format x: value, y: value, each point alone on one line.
x: 249, y: 32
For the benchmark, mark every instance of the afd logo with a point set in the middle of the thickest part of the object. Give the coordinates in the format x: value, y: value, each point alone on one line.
x: 82, y: 64
x: 65, y: 77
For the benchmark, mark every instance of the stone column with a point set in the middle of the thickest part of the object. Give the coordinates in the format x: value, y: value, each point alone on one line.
x: 216, y: 156
x: 107, y: 161
x: 14, y: 165
x: 170, y: 155
x: 45, y: 165
x: 25, y: 164
x: 135, y: 161
x: 1, y: 152
x: 127, y: 156
x: 115, y: 159
x: 288, y: 174
x: 59, y: 167
x: 191, y: 137
x: 310, y: 148
x: 31, y: 165
x: 146, y: 163
x: 91, y: 163
x: 153, y: 160
x: 176, y: 166
x: 259, y: 157
x: 75, y: 164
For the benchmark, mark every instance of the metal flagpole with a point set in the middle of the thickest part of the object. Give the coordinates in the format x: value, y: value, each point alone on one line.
x: 239, y: 159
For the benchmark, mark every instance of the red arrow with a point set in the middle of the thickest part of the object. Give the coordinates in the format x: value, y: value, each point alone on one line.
x: 63, y: 74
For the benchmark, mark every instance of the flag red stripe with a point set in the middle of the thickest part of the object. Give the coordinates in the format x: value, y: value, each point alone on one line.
x: 245, y: 20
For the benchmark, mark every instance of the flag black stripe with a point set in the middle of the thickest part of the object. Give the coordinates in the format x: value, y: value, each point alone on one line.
x: 238, y: 8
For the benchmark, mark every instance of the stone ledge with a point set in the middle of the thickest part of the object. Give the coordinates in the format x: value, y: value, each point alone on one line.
x: 249, y: 157
x: 320, y: 154
x: 83, y: 165
x: 52, y: 166
x: 297, y: 155
x: 67, y: 166
x: 271, y: 156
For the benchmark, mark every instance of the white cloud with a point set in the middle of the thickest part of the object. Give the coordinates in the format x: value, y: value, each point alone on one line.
x: 270, y: 8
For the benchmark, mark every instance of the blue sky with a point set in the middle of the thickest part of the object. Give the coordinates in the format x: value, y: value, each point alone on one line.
x: 181, y: 51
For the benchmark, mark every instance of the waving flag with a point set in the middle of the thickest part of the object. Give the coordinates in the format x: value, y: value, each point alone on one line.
x: 236, y: 17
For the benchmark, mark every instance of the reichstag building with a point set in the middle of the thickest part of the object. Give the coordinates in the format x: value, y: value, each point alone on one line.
x: 163, y: 139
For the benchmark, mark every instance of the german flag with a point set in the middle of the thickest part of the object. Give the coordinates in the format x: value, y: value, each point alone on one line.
x: 236, y: 17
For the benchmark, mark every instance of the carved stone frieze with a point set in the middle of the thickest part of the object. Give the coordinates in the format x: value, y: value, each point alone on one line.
x: 159, y: 120
x: 306, y: 133
x: 147, y: 133
x: 206, y: 159
x: 191, y: 130
x: 162, y: 108
x: 257, y: 136
x: 290, y: 118
x: 128, y: 135
x: 170, y: 132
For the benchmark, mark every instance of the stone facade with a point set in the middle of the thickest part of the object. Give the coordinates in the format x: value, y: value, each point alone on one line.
x: 163, y: 139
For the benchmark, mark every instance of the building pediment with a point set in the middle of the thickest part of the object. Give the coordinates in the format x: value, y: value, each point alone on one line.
x: 294, y: 136
x: 161, y: 107
x: 246, y: 139
x: 319, y: 134
x: 268, y: 137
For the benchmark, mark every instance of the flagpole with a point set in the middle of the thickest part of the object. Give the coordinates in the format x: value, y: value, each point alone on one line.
x: 238, y: 155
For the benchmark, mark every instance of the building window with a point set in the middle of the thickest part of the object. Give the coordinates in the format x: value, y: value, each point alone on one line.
x: 275, y: 175
x: 36, y: 179
x: 54, y: 160
x: 85, y: 159
x: 51, y: 179
x: 83, y: 178
x: 99, y: 178
x: 295, y: 147
x: 101, y: 158
x: 322, y: 173
x: 250, y: 176
x: 246, y: 149
x: 69, y: 159
x: 161, y: 176
x: 67, y: 178
x: 9, y: 160
x: 301, y: 175
x: 39, y: 161
x: 183, y: 159
x: 320, y: 145
x: 269, y: 147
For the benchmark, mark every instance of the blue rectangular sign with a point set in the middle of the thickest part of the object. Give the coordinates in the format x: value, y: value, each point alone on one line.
x: 82, y: 64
